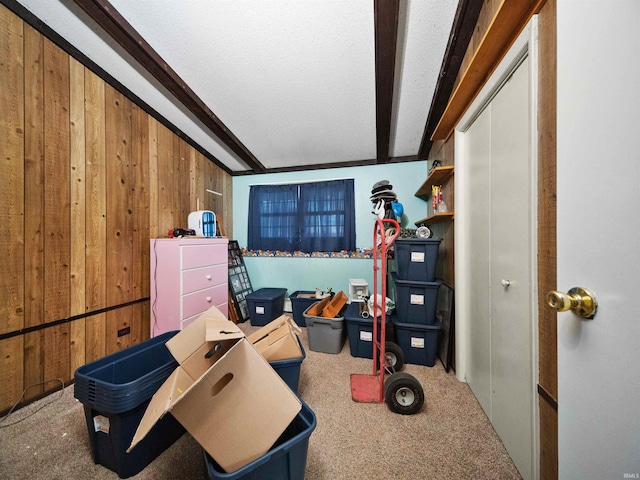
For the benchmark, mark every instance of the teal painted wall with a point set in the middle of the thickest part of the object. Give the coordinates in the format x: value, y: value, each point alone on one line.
x: 308, y: 273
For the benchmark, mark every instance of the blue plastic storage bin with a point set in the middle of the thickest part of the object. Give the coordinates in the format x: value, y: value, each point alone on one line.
x: 289, y: 370
x: 416, y: 258
x: 299, y: 305
x: 123, y: 380
x: 419, y: 343
x: 265, y: 305
x: 416, y: 302
x: 360, y: 332
x: 287, y: 459
x: 110, y: 434
x: 115, y: 391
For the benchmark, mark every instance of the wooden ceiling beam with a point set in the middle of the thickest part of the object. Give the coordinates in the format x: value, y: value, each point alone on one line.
x: 464, y: 24
x: 386, y: 14
x: 114, y: 24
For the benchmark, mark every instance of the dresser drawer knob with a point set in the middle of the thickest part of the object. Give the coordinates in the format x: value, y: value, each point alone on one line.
x: 208, y: 277
x: 209, y: 299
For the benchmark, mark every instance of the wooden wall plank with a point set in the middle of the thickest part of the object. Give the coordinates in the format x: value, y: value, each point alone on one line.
x: 140, y: 323
x: 139, y: 193
x: 196, y: 181
x: 57, y: 352
x: 117, y: 320
x: 78, y: 345
x: 228, y: 204
x: 153, y: 178
x: 34, y: 199
x: 119, y: 214
x: 165, y: 181
x: 11, y: 369
x: 34, y: 359
x: 95, y: 334
x: 57, y: 228
x: 78, y: 202
x: 96, y: 198
x: 181, y: 182
x: 12, y: 178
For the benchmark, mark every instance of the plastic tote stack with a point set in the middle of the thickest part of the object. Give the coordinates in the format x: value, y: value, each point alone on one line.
x: 115, y: 392
x: 416, y: 296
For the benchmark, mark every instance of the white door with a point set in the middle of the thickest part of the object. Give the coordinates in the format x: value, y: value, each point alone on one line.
x: 497, y: 160
x: 598, y: 228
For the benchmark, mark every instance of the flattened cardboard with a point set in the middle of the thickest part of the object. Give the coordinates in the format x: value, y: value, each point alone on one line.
x: 233, y: 403
x: 277, y: 340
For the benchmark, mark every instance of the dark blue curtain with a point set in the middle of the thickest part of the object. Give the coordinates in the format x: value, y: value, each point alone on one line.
x: 327, y: 214
x: 318, y: 216
x: 273, y: 217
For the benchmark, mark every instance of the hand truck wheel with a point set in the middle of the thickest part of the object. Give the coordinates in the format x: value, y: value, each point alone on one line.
x: 393, y: 358
x: 403, y: 394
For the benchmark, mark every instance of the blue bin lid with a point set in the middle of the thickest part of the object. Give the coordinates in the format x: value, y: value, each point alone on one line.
x: 267, y: 294
x: 418, y: 240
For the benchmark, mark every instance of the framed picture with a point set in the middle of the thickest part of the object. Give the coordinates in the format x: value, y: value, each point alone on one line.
x: 239, y: 283
x: 445, y: 314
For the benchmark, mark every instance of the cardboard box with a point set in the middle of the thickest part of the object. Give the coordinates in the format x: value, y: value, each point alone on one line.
x: 277, y: 340
x: 223, y: 392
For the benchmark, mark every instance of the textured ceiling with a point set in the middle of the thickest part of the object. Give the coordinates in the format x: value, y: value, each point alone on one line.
x: 293, y: 80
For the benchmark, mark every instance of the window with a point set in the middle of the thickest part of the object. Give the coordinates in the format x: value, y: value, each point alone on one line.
x: 308, y: 217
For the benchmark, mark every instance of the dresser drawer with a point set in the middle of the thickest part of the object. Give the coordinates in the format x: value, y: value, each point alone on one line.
x: 194, y: 256
x: 202, y: 300
x: 224, y: 309
x: 199, y: 278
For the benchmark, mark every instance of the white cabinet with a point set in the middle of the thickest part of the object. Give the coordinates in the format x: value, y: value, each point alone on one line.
x: 188, y: 276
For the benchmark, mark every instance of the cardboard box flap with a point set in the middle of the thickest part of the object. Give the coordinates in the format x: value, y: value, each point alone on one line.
x: 184, y: 343
x: 161, y: 403
x: 277, y: 340
x: 221, y: 329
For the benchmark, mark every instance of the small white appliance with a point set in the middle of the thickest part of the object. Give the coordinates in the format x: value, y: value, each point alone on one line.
x: 203, y: 222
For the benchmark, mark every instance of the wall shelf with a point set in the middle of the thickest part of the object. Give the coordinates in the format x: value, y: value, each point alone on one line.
x: 436, y: 218
x: 437, y: 177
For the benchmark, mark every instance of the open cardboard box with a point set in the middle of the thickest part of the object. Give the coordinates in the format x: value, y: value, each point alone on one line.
x: 223, y: 392
x: 277, y: 340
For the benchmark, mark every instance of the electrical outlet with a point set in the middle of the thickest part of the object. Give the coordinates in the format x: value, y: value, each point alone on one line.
x: 124, y: 331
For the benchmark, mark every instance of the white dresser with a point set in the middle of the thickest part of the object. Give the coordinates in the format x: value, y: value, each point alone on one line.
x: 188, y: 276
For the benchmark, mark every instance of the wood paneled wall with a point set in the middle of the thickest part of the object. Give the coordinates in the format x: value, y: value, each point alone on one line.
x: 88, y: 177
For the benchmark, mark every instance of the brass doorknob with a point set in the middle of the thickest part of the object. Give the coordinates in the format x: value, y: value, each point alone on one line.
x: 579, y: 300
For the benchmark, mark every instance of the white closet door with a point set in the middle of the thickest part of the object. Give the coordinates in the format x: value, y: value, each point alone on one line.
x: 512, y: 315
x: 500, y: 367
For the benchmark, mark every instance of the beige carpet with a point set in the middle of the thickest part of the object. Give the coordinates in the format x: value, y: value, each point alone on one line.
x: 450, y: 438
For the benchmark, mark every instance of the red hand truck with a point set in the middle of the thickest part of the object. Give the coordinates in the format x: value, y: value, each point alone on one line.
x: 401, y: 391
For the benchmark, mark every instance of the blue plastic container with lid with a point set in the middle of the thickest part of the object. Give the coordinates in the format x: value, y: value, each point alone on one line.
x: 360, y: 331
x: 416, y: 302
x: 287, y: 459
x: 416, y: 258
x: 265, y: 305
x: 419, y: 343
